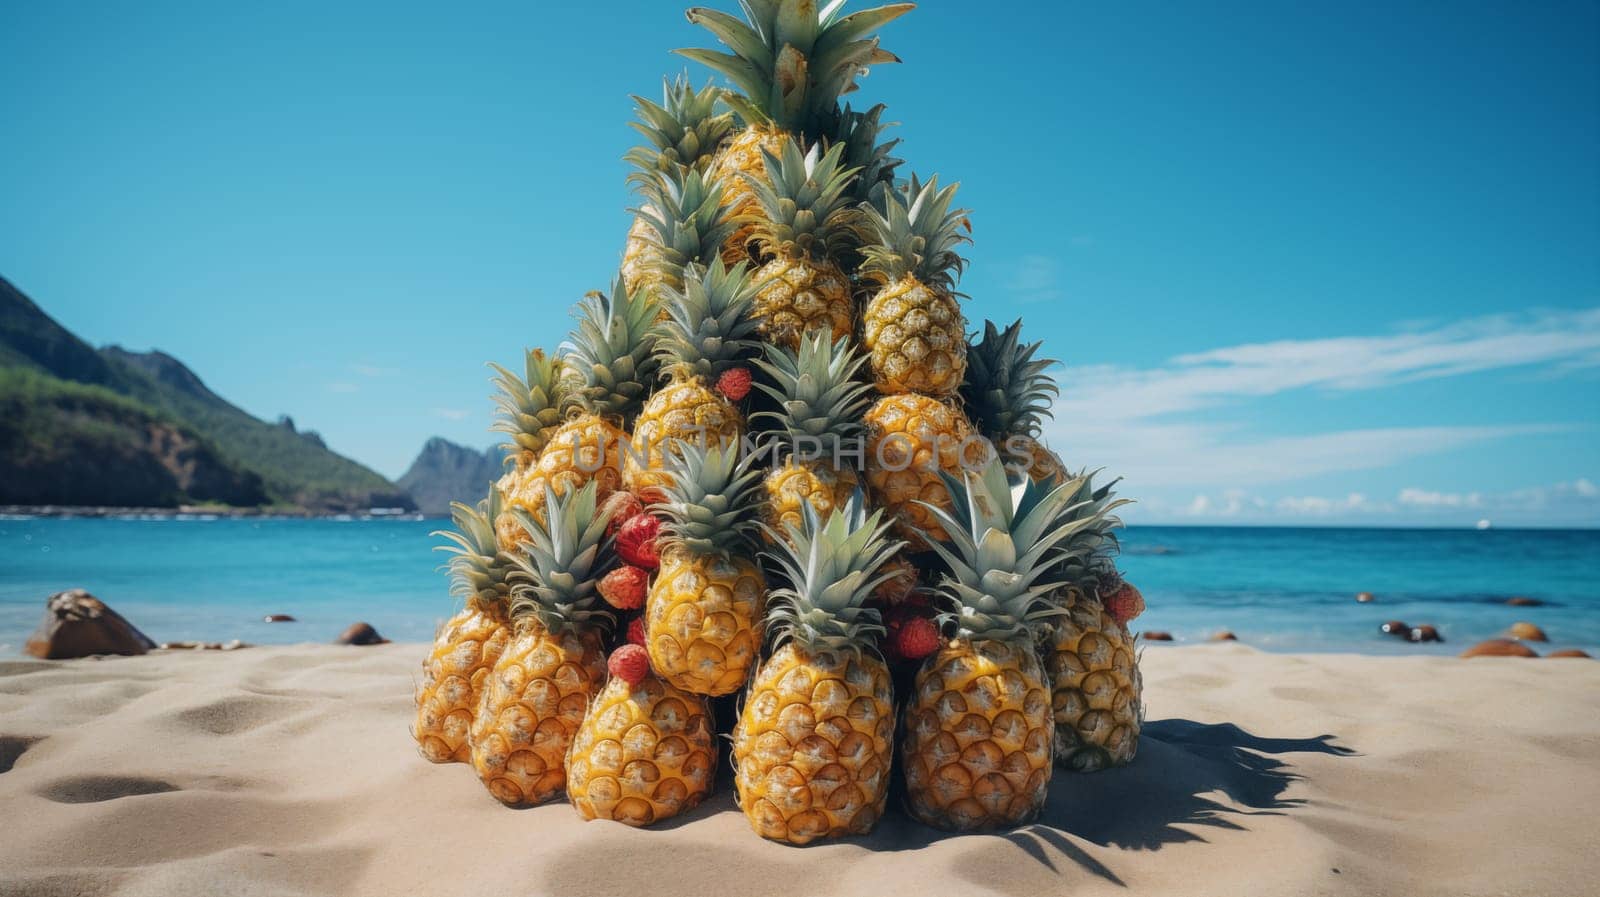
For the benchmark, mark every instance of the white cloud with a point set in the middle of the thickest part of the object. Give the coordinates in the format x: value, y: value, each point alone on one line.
x: 1573, y: 502
x: 1422, y: 498
x: 1035, y: 278
x: 342, y: 387
x: 1145, y: 422
x: 452, y: 413
x: 372, y: 370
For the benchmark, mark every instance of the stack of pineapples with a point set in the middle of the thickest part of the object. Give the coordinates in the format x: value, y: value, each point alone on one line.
x: 769, y: 462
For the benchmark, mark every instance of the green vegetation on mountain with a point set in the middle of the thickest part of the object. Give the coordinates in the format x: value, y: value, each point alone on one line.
x: 110, y: 427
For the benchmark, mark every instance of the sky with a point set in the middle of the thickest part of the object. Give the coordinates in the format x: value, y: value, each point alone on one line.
x: 1302, y: 264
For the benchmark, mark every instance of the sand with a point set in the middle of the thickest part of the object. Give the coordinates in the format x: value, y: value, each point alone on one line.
x: 279, y: 771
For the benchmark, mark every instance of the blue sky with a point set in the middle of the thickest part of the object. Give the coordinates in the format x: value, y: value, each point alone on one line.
x: 1302, y: 263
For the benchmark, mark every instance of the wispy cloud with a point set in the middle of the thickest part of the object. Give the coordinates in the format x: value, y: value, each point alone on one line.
x: 343, y: 387
x: 1147, y: 421
x: 1575, y: 501
x: 1035, y: 278
x: 452, y: 413
x: 372, y: 370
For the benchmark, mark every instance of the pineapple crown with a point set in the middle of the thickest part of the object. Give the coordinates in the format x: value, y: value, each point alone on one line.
x: 792, y: 60
x: 558, y: 571
x: 1088, y: 558
x: 683, y: 131
x: 480, y: 573
x: 1006, y: 389
x: 913, y: 231
x: 529, y: 406
x: 708, y: 328
x: 687, y: 221
x: 832, y: 567
x: 709, y: 499
x: 613, y: 351
x: 818, y: 395
x: 1005, y: 536
x: 859, y: 132
x: 807, y: 212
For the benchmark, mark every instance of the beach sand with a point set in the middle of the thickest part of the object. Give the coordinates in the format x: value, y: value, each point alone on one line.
x: 279, y: 771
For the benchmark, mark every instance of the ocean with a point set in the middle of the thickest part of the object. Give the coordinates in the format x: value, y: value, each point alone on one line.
x: 1276, y: 589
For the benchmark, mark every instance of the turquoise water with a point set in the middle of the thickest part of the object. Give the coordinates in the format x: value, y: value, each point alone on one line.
x: 1277, y: 589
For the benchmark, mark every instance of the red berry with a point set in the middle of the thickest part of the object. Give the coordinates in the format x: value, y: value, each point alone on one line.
x: 734, y: 383
x: 624, y: 588
x: 622, y: 506
x: 636, y: 541
x: 916, y: 638
x: 1124, y: 604
x: 630, y: 663
x: 636, y: 631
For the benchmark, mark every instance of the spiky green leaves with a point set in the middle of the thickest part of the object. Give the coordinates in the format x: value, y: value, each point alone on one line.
x: 613, y: 352
x: 807, y: 211
x: 1005, y: 536
x: 687, y: 220
x: 1088, y: 555
x: 820, y: 401
x: 1006, y: 389
x: 709, y: 500
x: 557, y: 574
x: 831, y: 566
x: 683, y: 131
x: 708, y: 328
x: 792, y: 60
x: 860, y: 132
x: 480, y: 574
x: 529, y: 407
x: 913, y: 230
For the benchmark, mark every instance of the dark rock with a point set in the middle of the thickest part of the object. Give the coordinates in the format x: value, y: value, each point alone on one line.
x: 1524, y: 602
x: 278, y: 618
x: 1499, y: 647
x: 1155, y: 636
x: 360, y: 634
x: 1526, y: 632
x: 1425, y: 633
x: 445, y: 472
x: 1224, y: 636
x: 1567, y: 652
x: 1396, y: 629
x: 77, y: 624
x: 1364, y: 598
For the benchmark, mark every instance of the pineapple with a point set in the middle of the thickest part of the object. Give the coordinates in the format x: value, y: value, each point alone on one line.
x: 815, y: 738
x: 683, y: 132
x: 707, y: 596
x: 683, y: 221
x: 1089, y: 655
x: 911, y: 440
x: 611, y: 360
x: 536, y: 695
x: 467, y: 646
x: 978, y: 727
x: 859, y: 132
x: 807, y: 220
x: 819, y: 417
x: 1007, y: 393
x: 791, y: 61
x: 708, y: 332
x: 912, y: 325
x: 644, y: 751
x: 530, y: 409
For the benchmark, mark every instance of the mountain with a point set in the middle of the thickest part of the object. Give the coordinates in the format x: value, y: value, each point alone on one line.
x: 113, y: 427
x: 445, y: 472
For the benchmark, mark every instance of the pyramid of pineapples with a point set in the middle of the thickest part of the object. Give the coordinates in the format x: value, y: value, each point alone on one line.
x: 768, y: 474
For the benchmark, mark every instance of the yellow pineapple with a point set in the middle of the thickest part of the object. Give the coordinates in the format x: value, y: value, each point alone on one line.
x: 467, y: 646
x: 1007, y: 394
x: 818, y: 421
x: 537, y: 693
x: 979, y: 729
x: 644, y: 752
x: 912, y: 325
x: 911, y: 440
x: 807, y: 220
x: 1089, y: 654
x: 683, y: 222
x: 704, y: 604
x: 707, y: 333
x: 611, y: 364
x: 529, y: 411
x: 791, y: 61
x: 814, y: 742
